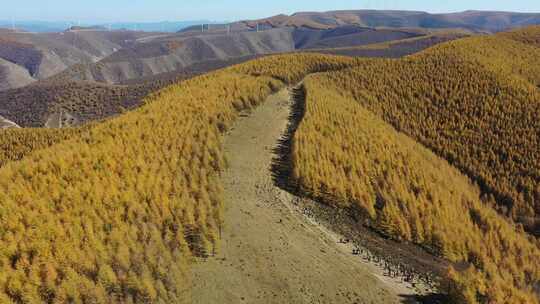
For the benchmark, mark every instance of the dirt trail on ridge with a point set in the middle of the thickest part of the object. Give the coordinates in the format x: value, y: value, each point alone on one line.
x: 270, y: 252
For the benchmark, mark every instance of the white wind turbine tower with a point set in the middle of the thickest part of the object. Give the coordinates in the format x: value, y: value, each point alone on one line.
x: 74, y: 41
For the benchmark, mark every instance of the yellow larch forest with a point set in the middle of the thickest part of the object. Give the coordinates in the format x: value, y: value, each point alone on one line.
x: 439, y: 148
x: 112, y: 214
x: 360, y: 143
x: 345, y: 155
x: 471, y: 106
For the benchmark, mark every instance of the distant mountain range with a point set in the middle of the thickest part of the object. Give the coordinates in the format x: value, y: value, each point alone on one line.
x: 470, y: 20
x: 58, y: 26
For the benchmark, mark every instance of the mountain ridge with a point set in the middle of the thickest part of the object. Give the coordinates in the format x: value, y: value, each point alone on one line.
x: 491, y: 21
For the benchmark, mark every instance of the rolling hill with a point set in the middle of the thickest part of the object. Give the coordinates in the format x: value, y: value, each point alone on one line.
x: 98, y: 90
x: 394, y: 49
x: 45, y: 54
x: 431, y: 110
x: 171, y: 53
x: 34, y: 105
x: 409, y: 194
x: 13, y: 76
x: 173, y: 220
x: 349, y: 36
x: 87, y: 101
x: 482, y: 21
x: 361, y: 146
x: 111, y: 58
x: 428, y: 149
x: 175, y: 52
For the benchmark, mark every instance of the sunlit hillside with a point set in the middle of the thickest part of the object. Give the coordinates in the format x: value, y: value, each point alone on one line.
x: 347, y: 156
x: 112, y: 214
x: 469, y: 105
x: 438, y: 149
x: 15, y: 144
x: 360, y: 144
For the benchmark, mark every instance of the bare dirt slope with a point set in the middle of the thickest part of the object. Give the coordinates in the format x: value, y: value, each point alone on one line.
x: 269, y: 252
x: 177, y: 52
x: 6, y: 124
x: 13, y: 76
x: 43, y: 55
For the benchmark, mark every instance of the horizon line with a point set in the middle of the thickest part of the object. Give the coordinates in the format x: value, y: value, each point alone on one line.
x: 94, y: 22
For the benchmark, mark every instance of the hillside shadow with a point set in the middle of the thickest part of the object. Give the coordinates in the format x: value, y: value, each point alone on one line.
x: 281, y: 167
x: 350, y: 223
x: 432, y: 298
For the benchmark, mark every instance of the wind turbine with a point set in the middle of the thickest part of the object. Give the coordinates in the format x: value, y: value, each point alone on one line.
x: 75, y: 37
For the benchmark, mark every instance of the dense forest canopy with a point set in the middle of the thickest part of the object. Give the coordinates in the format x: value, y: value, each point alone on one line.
x: 472, y: 106
x: 360, y: 145
x: 112, y: 212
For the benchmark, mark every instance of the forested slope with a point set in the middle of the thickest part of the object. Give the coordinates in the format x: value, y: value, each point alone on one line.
x: 15, y: 144
x: 350, y: 150
x: 424, y: 146
x: 347, y: 156
x: 113, y: 215
x: 470, y: 105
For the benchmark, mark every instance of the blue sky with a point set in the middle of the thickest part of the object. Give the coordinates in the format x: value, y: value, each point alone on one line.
x: 229, y: 10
